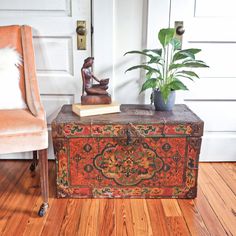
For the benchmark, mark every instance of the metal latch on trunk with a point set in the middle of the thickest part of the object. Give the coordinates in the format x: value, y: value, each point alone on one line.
x: 129, y: 138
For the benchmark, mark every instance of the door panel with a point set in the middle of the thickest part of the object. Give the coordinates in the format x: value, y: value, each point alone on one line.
x: 212, y: 8
x: 217, y: 55
x: 42, y: 7
x: 200, y: 90
x: 51, y: 48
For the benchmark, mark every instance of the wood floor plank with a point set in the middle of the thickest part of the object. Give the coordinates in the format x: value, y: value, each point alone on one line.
x: 192, y: 217
x: 11, y: 180
x: 228, y: 173
x: 55, y: 218
x: 123, y: 218
x: 208, y: 215
x: 219, y: 196
x: 16, y: 211
x: 35, y: 224
x: 106, y: 217
x: 6, y: 170
x: 141, y: 219
x: 177, y: 226
x: 157, y: 216
x: 211, y: 176
x: 73, y: 215
x: 89, y: 221
x: 57, y: 208
x: 171, y: 207
x: 18, y: 221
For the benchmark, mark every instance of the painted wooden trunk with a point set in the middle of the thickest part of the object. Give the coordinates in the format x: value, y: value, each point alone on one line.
x: 138, y: 153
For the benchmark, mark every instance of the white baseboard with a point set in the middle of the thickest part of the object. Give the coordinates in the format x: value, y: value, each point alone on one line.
x: 218, y: 146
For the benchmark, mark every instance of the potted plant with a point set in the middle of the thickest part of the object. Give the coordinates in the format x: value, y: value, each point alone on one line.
x: 166, y: 67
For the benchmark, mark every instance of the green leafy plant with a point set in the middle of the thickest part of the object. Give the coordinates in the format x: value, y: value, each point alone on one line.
x: 166, y: 66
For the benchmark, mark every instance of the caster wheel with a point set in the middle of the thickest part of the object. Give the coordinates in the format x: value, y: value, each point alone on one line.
x: 43, y: 209
x: 32, y: 167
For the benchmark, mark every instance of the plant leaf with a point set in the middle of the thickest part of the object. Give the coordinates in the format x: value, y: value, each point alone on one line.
x: 166, y: 35
x: 192, y: 60
x: 182, y: 55
x: 189, y: 64
x: 195, y: 64
x: 150, y: 83
x: 156, y: 51
x: 175, y: 66
x: 192, y: 50
x: 149, y: 75
x: 177, y: 85
x: 145, y: 67
x: 176, y: 44
x: 154, y: 60
x: 139, y: 52
x: 185, y: 76
x: 189, y: 73
x: 165, y: 92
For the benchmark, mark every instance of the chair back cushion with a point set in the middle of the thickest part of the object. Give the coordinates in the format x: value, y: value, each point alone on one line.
x: 10, y: 36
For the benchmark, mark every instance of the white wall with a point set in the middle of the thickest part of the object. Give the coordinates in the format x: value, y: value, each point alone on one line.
x: 130, y: 34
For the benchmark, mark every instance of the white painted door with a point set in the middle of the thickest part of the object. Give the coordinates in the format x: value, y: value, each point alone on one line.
x: 210, y: 25
x: 58, y: 61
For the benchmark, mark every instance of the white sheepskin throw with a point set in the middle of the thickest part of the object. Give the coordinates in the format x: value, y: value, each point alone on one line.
x: 10, y: 93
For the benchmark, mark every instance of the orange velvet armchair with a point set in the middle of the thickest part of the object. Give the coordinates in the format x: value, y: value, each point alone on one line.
x: 23, y: 130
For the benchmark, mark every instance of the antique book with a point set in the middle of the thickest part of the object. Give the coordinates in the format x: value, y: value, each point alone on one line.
x: 91, y: 110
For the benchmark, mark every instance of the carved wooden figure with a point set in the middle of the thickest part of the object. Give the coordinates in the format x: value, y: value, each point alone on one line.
x: 95, y: 93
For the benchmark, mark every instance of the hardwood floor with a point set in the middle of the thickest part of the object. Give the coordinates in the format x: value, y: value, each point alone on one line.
x: 213, y: 212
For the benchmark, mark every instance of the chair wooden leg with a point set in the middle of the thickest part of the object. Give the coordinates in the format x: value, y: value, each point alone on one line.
x: 34, y: 162
x: 43, y: 165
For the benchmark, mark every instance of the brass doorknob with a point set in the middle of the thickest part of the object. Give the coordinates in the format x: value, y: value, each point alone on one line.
x: 180, y: 30
x: 81, y: 30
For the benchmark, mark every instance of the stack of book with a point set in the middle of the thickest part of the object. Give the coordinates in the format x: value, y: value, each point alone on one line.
x: 92, y: 110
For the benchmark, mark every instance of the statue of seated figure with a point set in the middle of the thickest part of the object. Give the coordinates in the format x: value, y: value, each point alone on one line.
x: 88, y: 76
x: 96, y: 93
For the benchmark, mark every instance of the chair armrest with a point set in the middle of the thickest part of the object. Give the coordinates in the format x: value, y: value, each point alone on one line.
x: 31, y: 84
